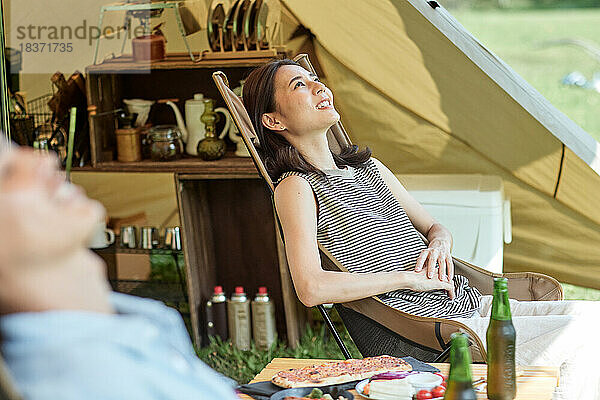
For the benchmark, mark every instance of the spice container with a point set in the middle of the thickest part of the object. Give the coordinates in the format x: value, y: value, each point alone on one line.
x: 165, y: 143
x: 148, y: 48
x: 129, y: 144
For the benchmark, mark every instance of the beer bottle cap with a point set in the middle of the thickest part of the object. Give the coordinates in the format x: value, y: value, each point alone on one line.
x: 262, y: 290
x: 218, y: 289
x: 239, y: 289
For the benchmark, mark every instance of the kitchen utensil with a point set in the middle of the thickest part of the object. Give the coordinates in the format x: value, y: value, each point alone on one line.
x: 148, y: 237
x: 268, y: 23
x: 240, y: 148
x: 165, y: 143
x: 129, y: 144
x: 128, y: 236
x: 141, y: 108
x: 249, y: 26
x: 101, y: 237
x: 228, y: 26
x: 193, y: 131
x: 70, y: 143
x: 148, y: 48
x: 173, y: 238
x: 215, y: 22
x: 237, y: 40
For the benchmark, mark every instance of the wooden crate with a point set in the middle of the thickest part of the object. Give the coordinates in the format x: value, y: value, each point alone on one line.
x: 231, y: 240
x: 176, y: 77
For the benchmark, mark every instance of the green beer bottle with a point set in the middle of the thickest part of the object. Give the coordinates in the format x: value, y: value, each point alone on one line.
x: 501, y: 335
x: 459, y: 379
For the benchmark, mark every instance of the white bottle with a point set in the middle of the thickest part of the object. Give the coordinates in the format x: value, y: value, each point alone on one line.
x: 194, y: 108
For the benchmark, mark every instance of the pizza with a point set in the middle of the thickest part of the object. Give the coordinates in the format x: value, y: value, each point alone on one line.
x: 335, y: 372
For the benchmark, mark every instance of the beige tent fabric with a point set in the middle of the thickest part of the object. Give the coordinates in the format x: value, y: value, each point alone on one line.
x: 423, y: 106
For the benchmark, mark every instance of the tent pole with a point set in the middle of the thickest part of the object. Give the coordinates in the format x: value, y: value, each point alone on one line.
x: 4, y: 96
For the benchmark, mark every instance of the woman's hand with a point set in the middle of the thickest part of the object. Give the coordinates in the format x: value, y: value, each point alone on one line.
x: 418, y: 282
x: 438, y: 253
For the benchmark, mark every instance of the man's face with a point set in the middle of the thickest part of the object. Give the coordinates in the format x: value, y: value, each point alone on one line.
x: 41, y: 217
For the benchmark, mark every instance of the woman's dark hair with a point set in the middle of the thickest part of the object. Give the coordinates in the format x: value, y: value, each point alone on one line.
x: 277, y: 153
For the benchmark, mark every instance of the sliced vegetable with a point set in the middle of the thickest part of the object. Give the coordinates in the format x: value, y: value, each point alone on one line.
x: 391, y: 375
x: 438, y: 391
x: 424, y: 395
x: 367, y: 388
x: 316, y: 394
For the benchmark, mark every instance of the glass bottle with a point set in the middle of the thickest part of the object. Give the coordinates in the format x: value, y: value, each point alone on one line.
x: 459, y: 380
x: 501, y: 336
x: 211, y: 147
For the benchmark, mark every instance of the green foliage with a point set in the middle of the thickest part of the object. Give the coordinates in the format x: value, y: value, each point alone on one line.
x: 528, y: 42
x: 243, y: 365
x: 163, y: 268
x: 580, y: 293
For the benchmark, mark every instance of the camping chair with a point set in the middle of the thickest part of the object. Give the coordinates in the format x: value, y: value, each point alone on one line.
x: 375, y: 327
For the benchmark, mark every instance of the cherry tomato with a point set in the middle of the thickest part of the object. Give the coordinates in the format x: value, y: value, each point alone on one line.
x: 424, y: 395
x: 438, y: 391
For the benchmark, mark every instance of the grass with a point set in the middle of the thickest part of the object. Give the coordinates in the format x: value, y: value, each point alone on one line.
x: 580, y: 293
x: 243, y: 365
x: 520, y: 38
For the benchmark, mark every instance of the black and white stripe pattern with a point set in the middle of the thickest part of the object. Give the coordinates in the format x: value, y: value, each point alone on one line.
x: 363, y: 226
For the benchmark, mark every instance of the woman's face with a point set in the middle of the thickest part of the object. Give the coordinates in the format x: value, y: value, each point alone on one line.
x: 303, y: 103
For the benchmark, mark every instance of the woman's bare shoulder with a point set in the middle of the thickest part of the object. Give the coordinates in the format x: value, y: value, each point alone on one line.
x: 292, y: 186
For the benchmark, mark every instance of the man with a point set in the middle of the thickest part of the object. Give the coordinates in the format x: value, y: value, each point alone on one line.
x: 64, y: 334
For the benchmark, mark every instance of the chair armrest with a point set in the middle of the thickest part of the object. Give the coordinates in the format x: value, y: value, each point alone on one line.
x: 523, y: 286
x: 533, y: 286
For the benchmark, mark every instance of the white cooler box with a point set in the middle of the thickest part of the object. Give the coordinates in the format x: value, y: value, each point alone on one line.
x: 473, y: 208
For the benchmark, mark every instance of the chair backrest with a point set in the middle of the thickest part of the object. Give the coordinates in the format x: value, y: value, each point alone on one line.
x: 336, y: 135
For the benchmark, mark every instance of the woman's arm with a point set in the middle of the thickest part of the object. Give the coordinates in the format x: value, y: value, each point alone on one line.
x: 440, y: 239
x: 296, y: 207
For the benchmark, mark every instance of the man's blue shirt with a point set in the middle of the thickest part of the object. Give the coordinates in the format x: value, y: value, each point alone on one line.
x: 141, y: 352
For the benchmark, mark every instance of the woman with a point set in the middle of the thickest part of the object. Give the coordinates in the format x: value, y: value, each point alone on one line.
x: 350, y: 201
x: 357, y: 209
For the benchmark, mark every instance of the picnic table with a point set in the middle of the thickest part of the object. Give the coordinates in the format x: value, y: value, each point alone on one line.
x: 533, y: 383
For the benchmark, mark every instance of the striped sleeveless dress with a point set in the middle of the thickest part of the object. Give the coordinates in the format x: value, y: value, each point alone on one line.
x: 365, y: 228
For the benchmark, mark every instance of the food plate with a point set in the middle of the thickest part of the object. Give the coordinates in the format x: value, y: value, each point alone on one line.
x: 305, y: 391
x: 360, y: 386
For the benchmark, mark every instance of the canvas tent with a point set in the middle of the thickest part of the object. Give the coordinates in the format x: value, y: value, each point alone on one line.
x: 412, y: 84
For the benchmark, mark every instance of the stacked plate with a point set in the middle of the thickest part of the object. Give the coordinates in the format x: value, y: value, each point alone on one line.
x: 246, y: 24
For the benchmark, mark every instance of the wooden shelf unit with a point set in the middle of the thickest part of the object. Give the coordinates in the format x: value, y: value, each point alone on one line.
x: 229, y: 232
x: 229, y: 165
x: 126, y: 64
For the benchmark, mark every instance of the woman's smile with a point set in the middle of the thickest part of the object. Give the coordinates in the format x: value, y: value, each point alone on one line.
x: 325, y: 104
